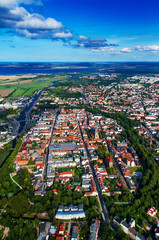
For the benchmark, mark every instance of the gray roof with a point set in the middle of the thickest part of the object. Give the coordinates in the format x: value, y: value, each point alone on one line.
x: 75, y: 232
x: 124, y: 224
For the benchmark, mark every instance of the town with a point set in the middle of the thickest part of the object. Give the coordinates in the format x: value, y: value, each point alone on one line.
x: 78, y: 154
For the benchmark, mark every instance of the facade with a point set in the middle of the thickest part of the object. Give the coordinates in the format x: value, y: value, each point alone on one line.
x: 70, y: 212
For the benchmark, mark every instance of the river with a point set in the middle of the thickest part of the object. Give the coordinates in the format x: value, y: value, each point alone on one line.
x: 22, y: 119
x: 23, y: 115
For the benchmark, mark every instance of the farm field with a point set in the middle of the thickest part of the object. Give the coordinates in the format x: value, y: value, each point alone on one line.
x: 16, y: 82
x: 14, y: 78
x: 5, y: 93
x: 26, y: 87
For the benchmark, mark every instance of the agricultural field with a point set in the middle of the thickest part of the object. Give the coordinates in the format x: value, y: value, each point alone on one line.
x: 26, y: 87
x: 15, y: 78
x: 5, y: 93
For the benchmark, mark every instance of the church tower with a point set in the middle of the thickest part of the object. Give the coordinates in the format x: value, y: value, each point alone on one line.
x: 96, y: 135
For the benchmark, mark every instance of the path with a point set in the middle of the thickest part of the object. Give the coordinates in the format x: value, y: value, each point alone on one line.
x: 14, y: 180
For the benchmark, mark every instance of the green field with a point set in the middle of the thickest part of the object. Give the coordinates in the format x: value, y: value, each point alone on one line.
x: 36, y: 84
x: 134, y: 169
x: 15, y: 187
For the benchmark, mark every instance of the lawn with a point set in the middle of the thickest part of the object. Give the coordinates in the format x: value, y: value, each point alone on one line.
x: 15, y: 178
x: 134, y: 169
x: 15, y: 187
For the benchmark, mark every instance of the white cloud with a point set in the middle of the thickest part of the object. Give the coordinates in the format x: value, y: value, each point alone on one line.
x: 63, y: 35
x: 125, y: 50
x: 36, y: 22
x: 102, y: 49
x: 20, y: 22
x: 151, y: 48
x: 19, y: 11
x: 112, y: 51
x: 81, y: 37
x: 26, y: 33
x: 12, y: 3
x: 8, y: 3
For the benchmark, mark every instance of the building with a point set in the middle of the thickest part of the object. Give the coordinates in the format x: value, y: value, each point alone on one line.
x: 128, y: 228
x: 42, y: 235
x: 94, y: 228
x: 157, y: 232
x: 75, y: 231
x: 109, y: 162
x: 70, y: 212
x: 152, y: 212
x: 96, y: 134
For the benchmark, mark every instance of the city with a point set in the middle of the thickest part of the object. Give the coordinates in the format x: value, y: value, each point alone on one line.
x: 81, y: 155
x: 79, y: 120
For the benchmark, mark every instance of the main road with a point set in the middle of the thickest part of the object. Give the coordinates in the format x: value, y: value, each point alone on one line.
x: 47, y: 153
x: 102, y: 204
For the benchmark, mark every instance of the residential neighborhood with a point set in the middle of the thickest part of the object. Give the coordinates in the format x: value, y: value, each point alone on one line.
x: 80, y: 160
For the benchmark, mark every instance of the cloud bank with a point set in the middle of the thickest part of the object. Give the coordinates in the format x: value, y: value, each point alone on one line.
x: 149, y: 48
x: 21, y: 22
x: 18, y: 21
x: 94, y: 44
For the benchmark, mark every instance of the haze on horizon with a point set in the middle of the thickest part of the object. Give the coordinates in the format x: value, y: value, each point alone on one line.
x: 79, y: 31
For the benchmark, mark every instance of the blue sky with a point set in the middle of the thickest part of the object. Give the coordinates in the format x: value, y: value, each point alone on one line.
x: 75, y: 31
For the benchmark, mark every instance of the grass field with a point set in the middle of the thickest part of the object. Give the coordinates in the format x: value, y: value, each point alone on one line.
x: 15, y: 187
x: 15, y: 178
x: 28, y: 87
x: 134, y: 169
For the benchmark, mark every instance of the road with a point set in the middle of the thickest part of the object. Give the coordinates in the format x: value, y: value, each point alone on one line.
x: 150, y: 133
x: 121, y: 175
x: 104, y: 211
x: 47, y: 153
x: 69, y: 229
x: 118, y: 168
x: 147, y: 129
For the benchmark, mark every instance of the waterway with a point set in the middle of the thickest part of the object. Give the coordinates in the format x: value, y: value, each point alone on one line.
x: 22, y: 119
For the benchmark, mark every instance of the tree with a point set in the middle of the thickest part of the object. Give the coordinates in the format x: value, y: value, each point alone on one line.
x: 105, y: 232
x: 121, y: 234
x: 19, y: 204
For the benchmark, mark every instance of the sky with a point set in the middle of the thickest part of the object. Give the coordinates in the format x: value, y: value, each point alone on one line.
x: 79, y: 30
